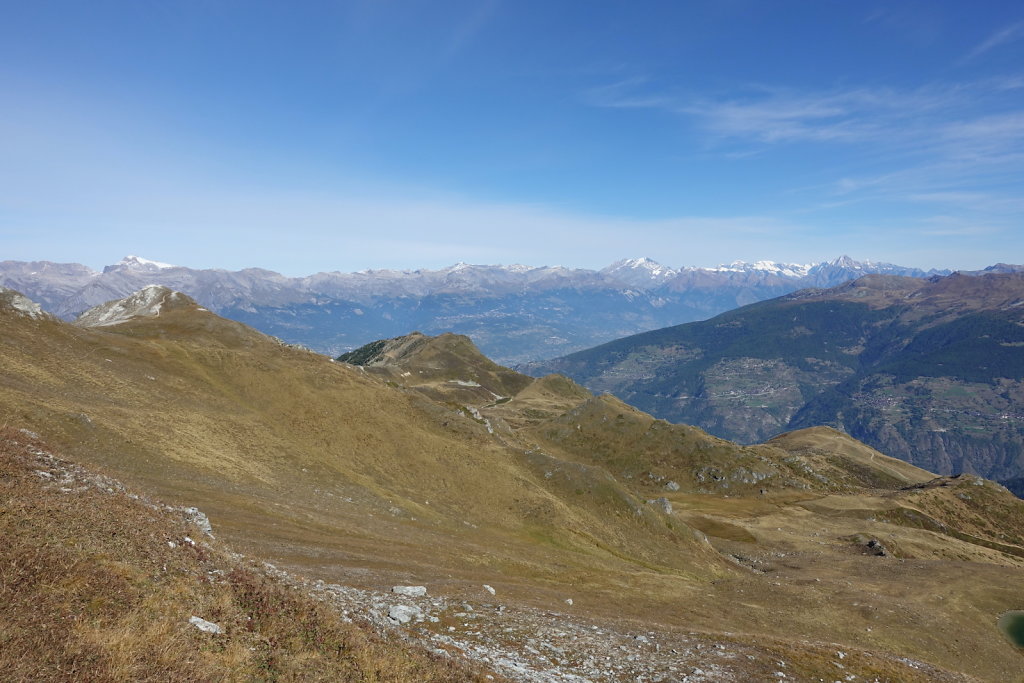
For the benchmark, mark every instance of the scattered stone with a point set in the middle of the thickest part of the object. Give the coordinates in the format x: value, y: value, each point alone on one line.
x: 662, y: 504
x: 671, y: 486
x: 877, y: 548
x: 205, y: 626
x: 410, y: 591
x: 403, y: 614
x: 488, y: 589
x: 568, y: 601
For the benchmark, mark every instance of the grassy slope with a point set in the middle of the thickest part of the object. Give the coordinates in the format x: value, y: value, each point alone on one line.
x: 564, y: 426
x: 319, y: 466
x: 309, y: 452
x: 96, y: 584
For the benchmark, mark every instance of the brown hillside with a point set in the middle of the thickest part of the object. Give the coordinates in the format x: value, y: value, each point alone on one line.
x: 352, y: 478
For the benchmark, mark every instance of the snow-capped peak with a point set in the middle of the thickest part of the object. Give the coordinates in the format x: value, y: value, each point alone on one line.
x: 642, y: 273
x: 845, y: 261
x: 139, y: 263
x: 771, y: 267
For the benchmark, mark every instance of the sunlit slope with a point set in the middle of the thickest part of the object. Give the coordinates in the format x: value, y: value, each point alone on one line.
x: 313, y: 460
x: 828, y: 535
x: 347, y: 475
x: 658, y: 456
x: 97, y: 583
x: 448, y: 367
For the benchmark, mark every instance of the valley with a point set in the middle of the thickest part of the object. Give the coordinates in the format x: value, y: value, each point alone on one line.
x: 926, y: 371
x: 428, y: 464
x: 515, y: 313
x: 511, y: 342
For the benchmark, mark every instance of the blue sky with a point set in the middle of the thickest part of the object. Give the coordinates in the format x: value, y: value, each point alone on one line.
x: 309, y: 136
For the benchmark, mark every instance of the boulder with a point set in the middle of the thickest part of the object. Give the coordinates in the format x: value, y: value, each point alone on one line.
x: 403, y: 614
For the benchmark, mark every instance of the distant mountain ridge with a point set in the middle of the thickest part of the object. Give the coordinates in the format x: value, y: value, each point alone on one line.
x: 515, y: 313
x: 927, y: 370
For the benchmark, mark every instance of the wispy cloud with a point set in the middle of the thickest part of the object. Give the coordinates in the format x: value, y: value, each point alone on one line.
x: 627, y: 93
x: 772, y: 114
x: 936, y: 138
x: 778, y: 116
x: 1007, y: 34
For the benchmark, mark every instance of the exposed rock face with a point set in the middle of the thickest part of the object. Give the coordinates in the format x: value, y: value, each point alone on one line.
x: 21, y: 304
x: 197, y: 517
x: 145, y: 303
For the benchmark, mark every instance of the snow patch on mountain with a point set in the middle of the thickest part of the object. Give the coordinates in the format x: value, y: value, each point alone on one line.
x: 794, y: 270
x: 643, y: 272
x: 132, y: 262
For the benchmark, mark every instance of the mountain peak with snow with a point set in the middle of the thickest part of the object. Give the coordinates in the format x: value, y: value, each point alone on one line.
x: 790, y: 270
x: 137, y: 263
x: 640, y: 272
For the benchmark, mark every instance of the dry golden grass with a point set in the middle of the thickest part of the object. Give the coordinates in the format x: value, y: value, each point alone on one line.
x: 91, y: 590
x: 318, y: 466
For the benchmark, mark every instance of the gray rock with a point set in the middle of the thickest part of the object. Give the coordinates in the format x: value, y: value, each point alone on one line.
x: 195, y: 516
x: 205, y: 626
x: 662, y: 504
x: 403, y: 614
x: 671, y: 486
x: 876, y: 547
x: 411, y: 591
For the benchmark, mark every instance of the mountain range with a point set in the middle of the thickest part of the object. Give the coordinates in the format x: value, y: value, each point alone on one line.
x: 927, y: 370
x: 469, y: 512
x: 514, y: 313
